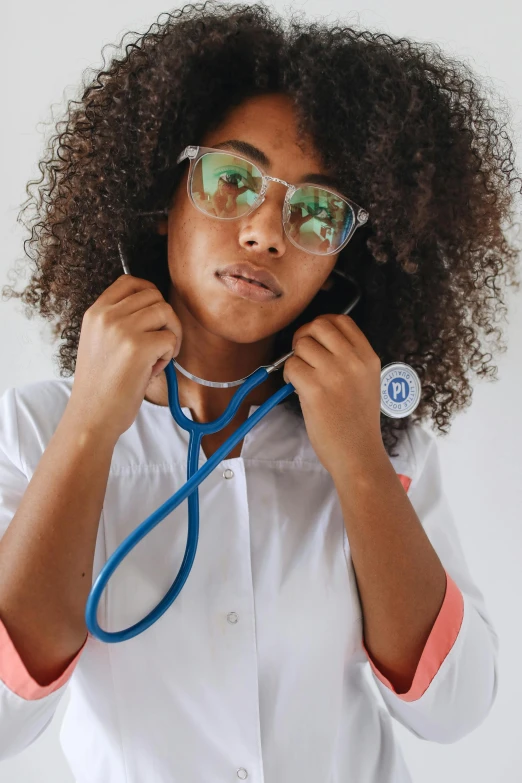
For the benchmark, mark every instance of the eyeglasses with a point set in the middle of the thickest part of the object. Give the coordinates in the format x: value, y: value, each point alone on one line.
x: 227, y: 186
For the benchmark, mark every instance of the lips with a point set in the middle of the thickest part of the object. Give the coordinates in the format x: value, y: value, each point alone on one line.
x: 252, y: 274
x: 248, y: 280
x: 245, y: 290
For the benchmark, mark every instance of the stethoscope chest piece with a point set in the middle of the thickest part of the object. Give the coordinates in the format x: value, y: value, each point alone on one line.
x: 400, y: 390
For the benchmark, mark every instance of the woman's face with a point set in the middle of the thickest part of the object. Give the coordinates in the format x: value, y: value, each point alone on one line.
x: 199, y: 246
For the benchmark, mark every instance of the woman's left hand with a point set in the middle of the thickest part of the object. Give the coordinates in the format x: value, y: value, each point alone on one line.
x: 337, y: 375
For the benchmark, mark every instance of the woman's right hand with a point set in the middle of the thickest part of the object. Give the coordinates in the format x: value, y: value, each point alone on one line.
x: 128, y: 336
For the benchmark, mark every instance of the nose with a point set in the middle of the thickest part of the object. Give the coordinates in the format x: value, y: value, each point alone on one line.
x: 262, y: 230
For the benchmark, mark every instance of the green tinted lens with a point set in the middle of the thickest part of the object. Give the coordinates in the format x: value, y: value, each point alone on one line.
x: 225, y: 186
x: 318, y: 221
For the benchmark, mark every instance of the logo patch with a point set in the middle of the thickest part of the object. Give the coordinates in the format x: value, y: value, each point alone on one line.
x: 400, y: 390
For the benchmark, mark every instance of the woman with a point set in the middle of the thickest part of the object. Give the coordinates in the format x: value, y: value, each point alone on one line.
x: 326, y: 544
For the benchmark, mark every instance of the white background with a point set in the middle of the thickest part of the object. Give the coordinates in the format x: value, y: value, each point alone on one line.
x: 46, y: 48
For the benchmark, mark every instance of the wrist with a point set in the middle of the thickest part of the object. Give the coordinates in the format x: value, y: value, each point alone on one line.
x: 86, y: 429
x: 362, y: 466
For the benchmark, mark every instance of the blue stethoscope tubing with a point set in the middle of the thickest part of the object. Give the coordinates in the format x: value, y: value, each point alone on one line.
x: 403, y: 375
x: 194, y: 478
x: 190, y: 489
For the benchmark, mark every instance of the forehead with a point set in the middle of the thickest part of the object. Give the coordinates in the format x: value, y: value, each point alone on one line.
x: 269, y: 125
x: 273, y: 115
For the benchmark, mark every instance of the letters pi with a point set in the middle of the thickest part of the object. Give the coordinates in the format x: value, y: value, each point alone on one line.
x: 399, y: 390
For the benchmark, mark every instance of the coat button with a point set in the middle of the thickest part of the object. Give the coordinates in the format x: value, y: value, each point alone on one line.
x: 228, y: 473
x: 242, y: 773
x: 232, y: 617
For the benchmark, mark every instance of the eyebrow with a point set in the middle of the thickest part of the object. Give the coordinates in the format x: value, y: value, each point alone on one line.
x: 257, y: 155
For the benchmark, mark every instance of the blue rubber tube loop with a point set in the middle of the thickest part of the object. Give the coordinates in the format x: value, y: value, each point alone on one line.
x: 190, y: 489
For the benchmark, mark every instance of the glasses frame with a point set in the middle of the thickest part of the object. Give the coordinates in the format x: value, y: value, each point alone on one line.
x: 193, y: 153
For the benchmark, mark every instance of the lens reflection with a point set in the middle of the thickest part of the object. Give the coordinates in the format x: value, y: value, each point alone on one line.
x: 226, y: 186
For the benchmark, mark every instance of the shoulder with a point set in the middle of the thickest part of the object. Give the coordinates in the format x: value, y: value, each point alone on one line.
x: 29, y: 415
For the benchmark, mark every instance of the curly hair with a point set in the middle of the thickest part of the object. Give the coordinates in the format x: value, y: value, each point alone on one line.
x: 410, y: 131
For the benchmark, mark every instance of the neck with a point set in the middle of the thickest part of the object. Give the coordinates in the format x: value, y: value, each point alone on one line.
x: 207, y: 403
x: 213, y: 358
x: 213, y: 364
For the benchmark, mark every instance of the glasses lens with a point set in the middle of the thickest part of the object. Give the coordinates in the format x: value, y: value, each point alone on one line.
x: 317, y: 220
x: 225, y: 186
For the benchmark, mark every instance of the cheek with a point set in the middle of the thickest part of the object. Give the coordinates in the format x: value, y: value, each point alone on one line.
x: 189, y: 234
x: 307, y: 280
x: 197, y: 245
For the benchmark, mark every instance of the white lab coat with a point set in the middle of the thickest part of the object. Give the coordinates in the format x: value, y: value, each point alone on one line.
x: 256, y: 671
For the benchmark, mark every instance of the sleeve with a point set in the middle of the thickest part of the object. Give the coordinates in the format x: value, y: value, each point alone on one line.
x: 456, y: 680
x: 26, y: 707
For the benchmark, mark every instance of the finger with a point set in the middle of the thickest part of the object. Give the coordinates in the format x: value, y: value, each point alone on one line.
x: 137, y: 301
x: 298, y: 373
x: 325, y: 332
x: 122, y: 287
x: 156, y: 317
x: 312, y: 352
x: 352, y: 332
x: 347, y: 327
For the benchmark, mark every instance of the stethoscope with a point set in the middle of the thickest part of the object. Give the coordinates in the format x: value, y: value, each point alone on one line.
x: 400, y: 395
